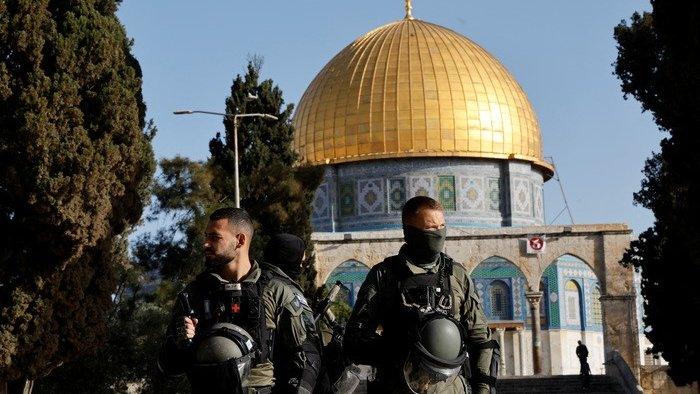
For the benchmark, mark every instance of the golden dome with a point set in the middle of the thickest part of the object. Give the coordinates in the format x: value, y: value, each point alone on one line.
x: 415, y: 89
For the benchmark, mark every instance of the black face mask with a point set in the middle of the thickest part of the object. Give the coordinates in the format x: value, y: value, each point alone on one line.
x: 423, y: 247
x: 293, y: 271
x: 286, y: 251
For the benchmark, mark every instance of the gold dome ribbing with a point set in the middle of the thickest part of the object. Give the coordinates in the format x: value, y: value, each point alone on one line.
x: 415, y: 89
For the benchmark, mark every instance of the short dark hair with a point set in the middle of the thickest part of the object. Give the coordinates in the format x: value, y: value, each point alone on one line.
x: 237, y: 217
x: 415, y: 204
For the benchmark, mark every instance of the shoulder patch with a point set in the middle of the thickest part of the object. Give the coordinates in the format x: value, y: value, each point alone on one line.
x: 297, y: 305
x: 299, y: 300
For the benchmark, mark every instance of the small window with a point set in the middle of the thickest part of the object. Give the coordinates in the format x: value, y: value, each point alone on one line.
x: 573, y: 303
x: 499, y: 297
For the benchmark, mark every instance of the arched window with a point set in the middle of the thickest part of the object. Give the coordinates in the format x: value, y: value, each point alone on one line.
x: 500, y: 300
x: 351, y: 274
x: 573, y: 303
x: 596, y: 311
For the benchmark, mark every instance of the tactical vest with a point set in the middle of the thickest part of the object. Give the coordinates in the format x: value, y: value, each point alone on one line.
x: 410, y: 297
x: 236, y: 303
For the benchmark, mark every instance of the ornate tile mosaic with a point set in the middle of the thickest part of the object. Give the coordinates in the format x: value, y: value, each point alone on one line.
x: 549, y: 276
x: 538, y: 202
x: 397, y: 194
x: 371, y: 193
x: 522, y: 199
x: 497, y: 268
x: 422, y: 186
x: 346, y: 199
x: 517, y: 290
x: 321, y: 202
x: 446, y: 192
x: 471, y: 194
x: 494, y: 194
x: 481, y: 193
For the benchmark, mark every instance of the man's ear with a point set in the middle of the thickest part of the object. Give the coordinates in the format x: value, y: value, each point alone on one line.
x: 242, y: 239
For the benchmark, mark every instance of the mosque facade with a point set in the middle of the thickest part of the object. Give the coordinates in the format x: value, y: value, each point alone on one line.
x: 412, y: 108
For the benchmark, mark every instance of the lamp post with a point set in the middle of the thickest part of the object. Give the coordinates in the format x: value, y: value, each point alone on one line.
x: 235, y: 138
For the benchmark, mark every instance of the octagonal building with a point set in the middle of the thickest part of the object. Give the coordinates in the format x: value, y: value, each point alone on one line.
x: 412, y: 108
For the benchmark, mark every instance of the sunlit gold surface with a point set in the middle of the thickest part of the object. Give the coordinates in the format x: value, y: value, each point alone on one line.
x: 415, y: 89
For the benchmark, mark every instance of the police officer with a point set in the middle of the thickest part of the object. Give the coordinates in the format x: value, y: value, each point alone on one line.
x: 228, y: 291
x: 418, y: 318
x: 297, y: 344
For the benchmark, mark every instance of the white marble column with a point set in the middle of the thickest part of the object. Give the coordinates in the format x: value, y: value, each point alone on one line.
x: 502, y: 342
x: 521, y: 343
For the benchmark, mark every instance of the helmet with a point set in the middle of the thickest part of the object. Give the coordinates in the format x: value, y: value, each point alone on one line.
x: 437, y: 354
x: 222, y: 358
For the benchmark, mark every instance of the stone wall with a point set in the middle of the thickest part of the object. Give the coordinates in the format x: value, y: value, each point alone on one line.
x: 655, y: 380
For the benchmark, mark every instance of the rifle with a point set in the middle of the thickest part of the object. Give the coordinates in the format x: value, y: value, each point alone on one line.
x: 344, y: 377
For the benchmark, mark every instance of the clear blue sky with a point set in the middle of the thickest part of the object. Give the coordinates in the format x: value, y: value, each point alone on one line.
x: 560, y: 52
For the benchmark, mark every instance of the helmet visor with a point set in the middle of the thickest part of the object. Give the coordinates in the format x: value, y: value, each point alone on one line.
x: 421, y: 374
x: 244, y: 364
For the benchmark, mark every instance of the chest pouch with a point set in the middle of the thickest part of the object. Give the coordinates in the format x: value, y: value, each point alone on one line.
x: 237, y: 304
x: 428, y: 293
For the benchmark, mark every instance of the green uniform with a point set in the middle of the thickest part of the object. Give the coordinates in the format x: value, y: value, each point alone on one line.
x: 274, y: 311
x: 375, y: 334
x: 297, y: 348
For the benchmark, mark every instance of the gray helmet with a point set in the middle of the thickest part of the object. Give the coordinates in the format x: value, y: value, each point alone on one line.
x: 438, y: 353
x: 226, y: 343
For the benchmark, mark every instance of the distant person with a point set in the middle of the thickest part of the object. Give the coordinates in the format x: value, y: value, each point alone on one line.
x: 582, y: 354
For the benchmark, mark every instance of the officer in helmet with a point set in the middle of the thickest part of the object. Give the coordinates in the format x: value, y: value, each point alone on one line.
x: 418, y: 319
x: 297, y: 346
x: 205, y: 337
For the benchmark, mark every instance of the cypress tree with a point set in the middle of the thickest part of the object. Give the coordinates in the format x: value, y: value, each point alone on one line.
x: 658, y: 64
x: 275, y: 190
x: 75, y: 164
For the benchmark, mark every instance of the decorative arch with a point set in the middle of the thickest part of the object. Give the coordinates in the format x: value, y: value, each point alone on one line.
x: 501, y: 286
x: 351, y: 274
x: 583, y: 261
x: 568, y: 284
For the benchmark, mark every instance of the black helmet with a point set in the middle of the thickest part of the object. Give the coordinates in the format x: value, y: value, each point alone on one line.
x: 437, y: 354
x: 222, y: 359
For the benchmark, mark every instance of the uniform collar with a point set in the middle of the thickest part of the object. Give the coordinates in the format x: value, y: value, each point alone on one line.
x: 278, y: 271
x: 415, y: 268
x: 252, y: 276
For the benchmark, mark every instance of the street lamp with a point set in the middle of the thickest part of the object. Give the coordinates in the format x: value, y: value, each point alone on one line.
x: 235, y: 137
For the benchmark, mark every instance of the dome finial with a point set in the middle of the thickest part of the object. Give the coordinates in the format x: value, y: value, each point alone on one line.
x: 409, y: 7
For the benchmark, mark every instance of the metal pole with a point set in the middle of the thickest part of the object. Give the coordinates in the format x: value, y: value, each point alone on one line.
x: 235, y: 138
x: 235, y: 165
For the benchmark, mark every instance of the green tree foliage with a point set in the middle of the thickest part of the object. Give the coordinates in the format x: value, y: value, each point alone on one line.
x: 125, y: 361
x: 276, y: 193
x: 162, y: 264
x: 76, y: 162
x: 659, y: 64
